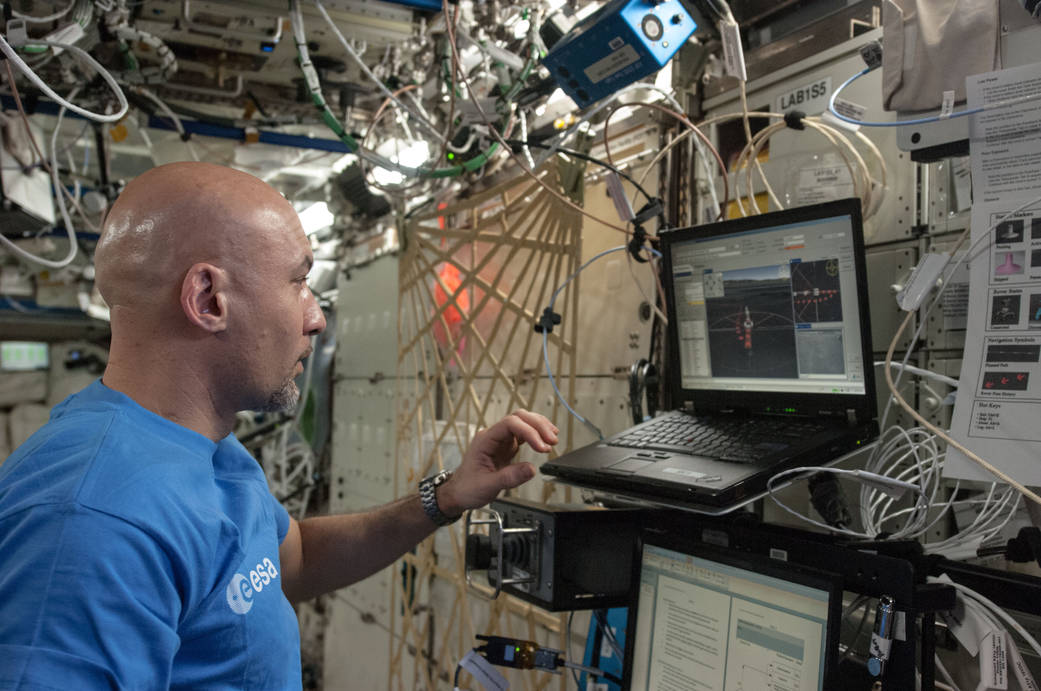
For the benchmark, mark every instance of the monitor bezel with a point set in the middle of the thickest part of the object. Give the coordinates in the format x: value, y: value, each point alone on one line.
x: 759, y: 402
x: 757, y: 563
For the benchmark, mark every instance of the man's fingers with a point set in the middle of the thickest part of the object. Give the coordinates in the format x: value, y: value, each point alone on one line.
x: 516, y: 474
x: 535, y: 429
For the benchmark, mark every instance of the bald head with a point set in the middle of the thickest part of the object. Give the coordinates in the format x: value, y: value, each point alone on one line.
x: 176, y: 215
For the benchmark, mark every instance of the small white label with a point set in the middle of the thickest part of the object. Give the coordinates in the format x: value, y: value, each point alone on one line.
x: 778, y: 554
x: 823, y: 183
x: 615, y: 62
x: 849, y: 109
x: 880, y: 646
x: 994, y: 661
x: 484, y: 673
x: 733, y: 54
x: 615, y: 43
x: 810, y: 98
x: 947, y: 107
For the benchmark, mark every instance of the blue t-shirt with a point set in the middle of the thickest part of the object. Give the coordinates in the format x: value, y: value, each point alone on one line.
x: 138, y: 554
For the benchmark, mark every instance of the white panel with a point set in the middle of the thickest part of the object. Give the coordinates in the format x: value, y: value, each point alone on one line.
x: 363, y: 441
x: 366, y: 319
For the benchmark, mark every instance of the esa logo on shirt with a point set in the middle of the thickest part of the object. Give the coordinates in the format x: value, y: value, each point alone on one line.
x: 242, y: 589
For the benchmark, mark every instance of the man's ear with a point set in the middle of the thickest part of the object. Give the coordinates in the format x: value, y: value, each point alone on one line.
x: 204, y: 299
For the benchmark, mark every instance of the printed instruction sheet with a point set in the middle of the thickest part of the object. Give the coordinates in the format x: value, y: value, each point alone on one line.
x: 998, y: 410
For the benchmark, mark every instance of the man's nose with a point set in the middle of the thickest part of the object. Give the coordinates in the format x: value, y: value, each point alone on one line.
x: 314, y: 323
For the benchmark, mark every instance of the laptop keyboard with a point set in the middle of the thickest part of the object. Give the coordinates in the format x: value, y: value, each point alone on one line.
x: 740, y: 440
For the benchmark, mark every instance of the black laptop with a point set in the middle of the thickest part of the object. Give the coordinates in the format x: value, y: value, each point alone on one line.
x: 769, y: 367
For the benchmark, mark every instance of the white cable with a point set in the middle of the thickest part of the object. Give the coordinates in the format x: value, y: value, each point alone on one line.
x: 43, y: 20
x: 978, y: 532
x: 882, y: 502
x: 858, y: 475
x: 17, y: 61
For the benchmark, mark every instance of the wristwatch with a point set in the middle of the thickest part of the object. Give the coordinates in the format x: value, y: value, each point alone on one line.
x: 428, y: 498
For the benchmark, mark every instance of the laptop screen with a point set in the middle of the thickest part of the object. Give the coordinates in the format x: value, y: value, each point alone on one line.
x: 771, y: 304
x: 704, y: 624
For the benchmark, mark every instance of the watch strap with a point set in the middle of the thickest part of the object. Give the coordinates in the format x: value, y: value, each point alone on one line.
x: 428, y: 499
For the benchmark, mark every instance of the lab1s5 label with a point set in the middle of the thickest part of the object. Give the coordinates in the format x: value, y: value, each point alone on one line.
x: 810, y: 98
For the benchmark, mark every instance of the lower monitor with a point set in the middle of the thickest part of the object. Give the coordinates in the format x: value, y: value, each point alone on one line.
x: 729, y: 621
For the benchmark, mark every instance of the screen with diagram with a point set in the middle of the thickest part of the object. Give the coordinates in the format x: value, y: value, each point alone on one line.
x: 772, y: 309
x: 706, y: 626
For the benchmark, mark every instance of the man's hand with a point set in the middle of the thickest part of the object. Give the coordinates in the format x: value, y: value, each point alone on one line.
x: 486, y: 469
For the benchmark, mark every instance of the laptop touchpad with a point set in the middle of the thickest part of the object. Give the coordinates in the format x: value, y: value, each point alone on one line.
x: 628, y: 465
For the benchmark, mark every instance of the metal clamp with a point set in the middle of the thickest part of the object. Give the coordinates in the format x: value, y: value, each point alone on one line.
x: 497, y: 520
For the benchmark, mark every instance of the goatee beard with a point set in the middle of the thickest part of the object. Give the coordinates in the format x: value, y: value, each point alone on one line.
x: 284, y: 400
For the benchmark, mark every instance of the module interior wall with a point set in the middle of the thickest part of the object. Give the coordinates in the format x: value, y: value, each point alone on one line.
x: 362, y: 441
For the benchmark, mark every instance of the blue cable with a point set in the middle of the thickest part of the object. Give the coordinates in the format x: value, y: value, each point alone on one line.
x: 897, y: 123
x: 545, y: 335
